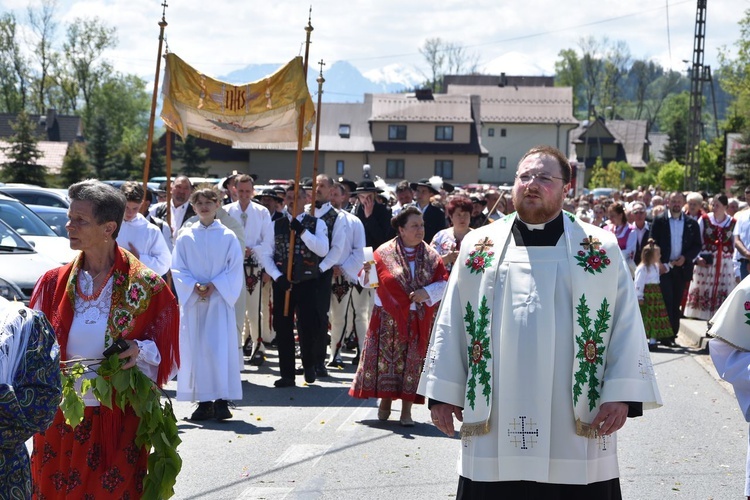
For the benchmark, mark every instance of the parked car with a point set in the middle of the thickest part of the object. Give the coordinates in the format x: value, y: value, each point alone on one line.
x: 35, y: 195
x: 34, y: 230
x: 55, y: 217
x: 20, y: 265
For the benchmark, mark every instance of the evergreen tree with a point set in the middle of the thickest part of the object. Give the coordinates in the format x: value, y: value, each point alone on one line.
x: 23, y: 154
x: 676, y: 146
x: 99, y: 148
x: 75, y: 165
x: 192, y: 157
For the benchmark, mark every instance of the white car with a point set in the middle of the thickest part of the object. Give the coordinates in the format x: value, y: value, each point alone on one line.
x: 20, y: 265
x: 34, y: 230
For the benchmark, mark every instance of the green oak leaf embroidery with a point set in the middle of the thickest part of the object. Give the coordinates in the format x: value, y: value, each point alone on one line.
x: 590, y: 352
x: 478, y: 351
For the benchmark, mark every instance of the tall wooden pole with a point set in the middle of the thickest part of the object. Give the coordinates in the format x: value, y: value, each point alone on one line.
x: 320, y: 81
x: 168, y: 144
x: 298, y: 170
x: 152, y: 117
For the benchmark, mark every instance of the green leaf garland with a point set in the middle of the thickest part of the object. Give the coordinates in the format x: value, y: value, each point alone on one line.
x: 157, y: 430
x: 478, y: 351
x: 590, y: 352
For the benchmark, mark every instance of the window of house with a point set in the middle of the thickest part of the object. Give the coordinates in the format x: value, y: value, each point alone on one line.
x: 339, y: 167
x: 345, y: 130
x: 503, y: 162
x: 444, y: 168
x: 394, y: 169
x: 503, y: 132
x: 490, y: 132
x: 490, y: 162
x: 444, y: 133
x: 396, y: 132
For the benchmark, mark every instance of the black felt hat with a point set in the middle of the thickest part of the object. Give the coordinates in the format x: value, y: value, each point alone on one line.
x: 367, y: 186
x: 269, y: 192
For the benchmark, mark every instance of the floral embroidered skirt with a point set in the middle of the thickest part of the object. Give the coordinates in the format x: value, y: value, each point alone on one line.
x: 709, y: 287
x: 70, y: 463
x: 390, y: 365
x: 654, y: 313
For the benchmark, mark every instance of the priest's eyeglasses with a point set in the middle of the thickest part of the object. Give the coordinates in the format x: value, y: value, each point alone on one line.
x: 542, y: 177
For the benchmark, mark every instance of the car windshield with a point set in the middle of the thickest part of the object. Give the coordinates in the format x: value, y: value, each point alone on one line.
x: 23, y: 220
x: 10, y: 241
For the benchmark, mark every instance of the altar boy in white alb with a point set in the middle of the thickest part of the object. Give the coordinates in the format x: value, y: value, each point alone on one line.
x: 539, y: 349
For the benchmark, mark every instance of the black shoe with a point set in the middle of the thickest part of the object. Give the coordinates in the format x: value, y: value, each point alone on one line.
x: 355, y: 361
x: 284, y: 382
x: 320, y: 371
x: 309, y: 374
x: 336, y: 362
x: 257, y: 359
x: 272, y: 343
x: 667, y: 342
x: 204, y: 411
x: 221, y: 410
x: 652, y: 347
x: 299, y: 371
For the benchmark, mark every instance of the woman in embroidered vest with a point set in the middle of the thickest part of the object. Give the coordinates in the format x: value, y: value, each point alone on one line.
x: 447, y: 242
x: 411, y: 278
x: 626, y: 237
x: 104, y: 295
x: 713, y: 275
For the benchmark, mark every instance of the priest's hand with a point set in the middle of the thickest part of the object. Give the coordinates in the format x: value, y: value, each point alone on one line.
x: 442, y: 417
x: 419, y: 296
x: 611, y: 418
x: 131, y: 353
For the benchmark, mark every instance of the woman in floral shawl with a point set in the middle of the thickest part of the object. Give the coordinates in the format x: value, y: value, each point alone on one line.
x: 411, y: 278
x: 104, y: 295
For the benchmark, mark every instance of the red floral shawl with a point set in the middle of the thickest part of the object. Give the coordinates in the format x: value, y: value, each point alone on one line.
x: 396, y: 283
x: 143, y: 307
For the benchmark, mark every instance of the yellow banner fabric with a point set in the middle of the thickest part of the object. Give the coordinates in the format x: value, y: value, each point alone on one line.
x: 253, y: 115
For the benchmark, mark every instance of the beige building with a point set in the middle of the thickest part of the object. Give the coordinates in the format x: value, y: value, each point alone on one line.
x: 516, y: 118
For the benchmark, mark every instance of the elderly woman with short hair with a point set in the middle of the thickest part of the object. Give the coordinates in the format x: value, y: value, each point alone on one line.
x: 104, y: 295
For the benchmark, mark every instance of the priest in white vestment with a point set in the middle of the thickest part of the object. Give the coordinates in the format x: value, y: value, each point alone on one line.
x: 730, y: 350
x: 539, y: 349
x: 208, y: 276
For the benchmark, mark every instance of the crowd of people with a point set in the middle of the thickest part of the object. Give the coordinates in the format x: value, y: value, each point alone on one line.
x: 207, y: 282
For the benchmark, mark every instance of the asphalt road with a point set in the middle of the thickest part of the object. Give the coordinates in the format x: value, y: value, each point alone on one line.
x: 315, y: 442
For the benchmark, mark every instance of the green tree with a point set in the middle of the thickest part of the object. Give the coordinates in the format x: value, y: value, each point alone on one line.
x: 75, y: 165
x: 125, y: 104
x: 99, y: 146
x: 649, y: 175
x: 711, y: 161
x: 23, y: 154
x: 671, y: 176
x: 13, y: 68
x: 604, y: 176
x: 735, y: 71
x: 569, y: 73
x: 192, y: 157
x: 741, y: 161
x: 43, y: 27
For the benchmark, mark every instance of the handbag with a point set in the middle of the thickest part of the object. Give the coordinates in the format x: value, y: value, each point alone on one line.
x: 708, y: 257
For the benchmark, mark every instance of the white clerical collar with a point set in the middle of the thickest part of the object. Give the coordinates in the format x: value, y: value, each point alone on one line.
x: 536, y: 227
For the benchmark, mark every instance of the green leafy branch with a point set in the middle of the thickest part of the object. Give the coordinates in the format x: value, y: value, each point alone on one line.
x: 478, y: 351
x: 157, y: 429
x: 589, y: 339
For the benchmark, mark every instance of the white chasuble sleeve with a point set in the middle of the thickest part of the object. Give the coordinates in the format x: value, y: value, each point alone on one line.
x: 733, y: 365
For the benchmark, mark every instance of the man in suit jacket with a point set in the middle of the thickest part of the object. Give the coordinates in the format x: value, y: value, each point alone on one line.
x: 679, y: 238
x: 181, y: 209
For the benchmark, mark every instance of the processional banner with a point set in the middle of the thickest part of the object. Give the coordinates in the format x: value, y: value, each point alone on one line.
x: 252, y: 115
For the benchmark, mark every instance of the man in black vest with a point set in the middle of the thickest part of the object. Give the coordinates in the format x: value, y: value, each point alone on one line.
x: 679, y: 238
x: 336, y: 227
x: 641, y: 228
x: 310, y: 245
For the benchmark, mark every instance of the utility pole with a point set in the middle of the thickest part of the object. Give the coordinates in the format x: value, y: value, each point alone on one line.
x: 699, y: 74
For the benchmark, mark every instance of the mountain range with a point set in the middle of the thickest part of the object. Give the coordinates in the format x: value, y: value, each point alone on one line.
x: 343, y: 81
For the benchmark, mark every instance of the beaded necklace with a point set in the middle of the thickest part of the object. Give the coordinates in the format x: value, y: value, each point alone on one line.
x: 96, y: 293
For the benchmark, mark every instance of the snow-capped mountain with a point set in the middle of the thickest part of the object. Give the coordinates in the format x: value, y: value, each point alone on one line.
x: 343, y: 82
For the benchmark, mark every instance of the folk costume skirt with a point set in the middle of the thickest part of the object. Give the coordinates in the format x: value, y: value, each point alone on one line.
x: 78, y: 463
x: 654, y: 313
x: 391, y: 363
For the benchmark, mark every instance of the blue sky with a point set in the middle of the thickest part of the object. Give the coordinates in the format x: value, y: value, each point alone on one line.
x: 515, y: 37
